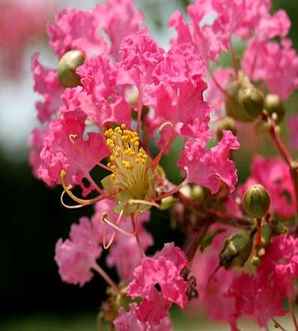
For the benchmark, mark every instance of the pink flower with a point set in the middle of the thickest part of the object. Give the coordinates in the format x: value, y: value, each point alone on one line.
x: 257, y: 298
x: 139, y: 57
x: 293, y: 131
x: 281, y: 261
x: 125, y: 252
x: 274, y: 175
x: 214, y: 23
x: 262, y: 296
x: 228, y: 295
x: 21, y: 23
x: 64, y: 148
x: 275, y: 64
x: 274, y: 26
x: 76, y: 29
x: 182, y: 106
x: 158, y: 280
x: 46, y: 83
x: 214, y: 288
x: 95, y: 32
x: 128, y: 321
x: 36, y: 144
x: 211, y: 168
x: 76, y: 256
x: 215, y: 97
x: 101, y: 99
x: 118, y: 19
x: 208, y: 44
x: 177, y: 97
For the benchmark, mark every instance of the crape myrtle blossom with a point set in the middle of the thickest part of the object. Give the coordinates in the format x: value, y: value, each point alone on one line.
x: 29, y: 19
x: 263, y: 295
x: 76, y: 256
x: 95, y: 32
x: 230, y: 295
x: 128, y: 321
x: 115, y: 105
x: 159, y: 282
x: 211, y: 168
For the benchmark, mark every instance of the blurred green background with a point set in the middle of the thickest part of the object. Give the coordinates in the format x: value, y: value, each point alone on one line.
x: 32, y: 296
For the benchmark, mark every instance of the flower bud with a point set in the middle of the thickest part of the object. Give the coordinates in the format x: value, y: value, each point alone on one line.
x: 199, y: 193
x: 167, y: 203
x: 225, y: 124
x: 67, y: 66
x: 236, y: 250
x: 273, y: 105
x: 252, y: 101
x: 255, y: 261
x: 233, y: 108
x: 256, y: 201
x: 244, y: 102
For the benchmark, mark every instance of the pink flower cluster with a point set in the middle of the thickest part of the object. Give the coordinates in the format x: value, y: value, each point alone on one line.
x: 114, y: 95
x: 260, y: 296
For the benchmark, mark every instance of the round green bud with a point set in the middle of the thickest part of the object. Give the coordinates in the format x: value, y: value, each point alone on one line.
x: 225, y: 124
x: 67, y: 66
x: 199, y: 193
x: 273, y: 105
x: 252, y: 101
x: 256, y: 201
x: 233, y: 108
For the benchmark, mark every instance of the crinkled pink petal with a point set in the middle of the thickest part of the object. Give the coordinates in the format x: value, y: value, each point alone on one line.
x: 35, y: 144
x: 128, y: 321
x: 214, y: 288
x: 262, y: 295
x: 126, y: 255
x: 139, y: 56
x: 102, y: 100
x: 162, y: 270
x: 211, y: 168
x: 215, y: 96
x: 76, y: 29
x: 153, y: 309
x: 46, y: 83
x: 64, y: 148
x: 184, y: 110
x: 76, y: 256
x: 275, y: 64
x: 118, y: 19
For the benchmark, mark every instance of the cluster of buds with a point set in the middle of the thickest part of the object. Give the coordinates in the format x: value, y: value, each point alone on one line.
x: 118, y: 103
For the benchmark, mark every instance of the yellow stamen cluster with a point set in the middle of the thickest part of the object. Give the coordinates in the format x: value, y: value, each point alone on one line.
x: 132, y: 174
x: 125, y: 148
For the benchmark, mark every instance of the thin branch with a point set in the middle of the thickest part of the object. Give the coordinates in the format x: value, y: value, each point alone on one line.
x: 278, y: 325
x: 106, y: 277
